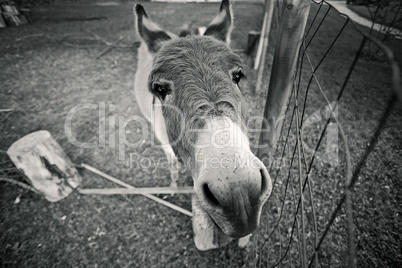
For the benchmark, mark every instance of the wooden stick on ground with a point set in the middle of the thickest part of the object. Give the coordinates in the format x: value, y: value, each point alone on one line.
x: 142, y: 190
x: 154, y: 198
x: 23, y: 185
x: 108, y: 48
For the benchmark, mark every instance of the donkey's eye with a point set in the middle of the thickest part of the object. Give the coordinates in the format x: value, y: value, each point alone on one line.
x: 237, y: 76
x: 161, y: 89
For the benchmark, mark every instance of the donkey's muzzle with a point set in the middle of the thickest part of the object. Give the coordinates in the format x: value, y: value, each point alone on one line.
x: 233, y: 196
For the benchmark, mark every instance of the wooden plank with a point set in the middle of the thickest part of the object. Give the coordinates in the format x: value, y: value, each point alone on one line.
x: 290, y: 36
x: 269, y: 12
x: 103, y: 52
x: 261, y: 41
x: 252, y: 39
x: 154, y: 198
x: 142, y: 190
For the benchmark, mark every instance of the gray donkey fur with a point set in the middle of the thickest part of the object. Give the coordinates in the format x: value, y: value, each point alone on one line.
x: 188, y: 88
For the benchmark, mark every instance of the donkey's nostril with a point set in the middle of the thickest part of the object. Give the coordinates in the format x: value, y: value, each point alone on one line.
x: 266, y: 184
x: 209, y: 196
x: 263, y: 182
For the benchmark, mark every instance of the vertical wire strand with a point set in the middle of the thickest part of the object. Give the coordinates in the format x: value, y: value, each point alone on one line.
x: 301, y: 190
x: 310, y: 192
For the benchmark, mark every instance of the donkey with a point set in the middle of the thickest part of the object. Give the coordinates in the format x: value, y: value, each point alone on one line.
x: 188, y: 87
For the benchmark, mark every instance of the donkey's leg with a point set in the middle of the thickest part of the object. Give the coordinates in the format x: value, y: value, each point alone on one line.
x: 243, y: 242
x: 151, y: 109
x: 173, y: 165
x: 159, y: 129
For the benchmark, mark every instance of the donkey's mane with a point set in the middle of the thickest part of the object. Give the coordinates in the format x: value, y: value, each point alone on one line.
x: 185, y: 32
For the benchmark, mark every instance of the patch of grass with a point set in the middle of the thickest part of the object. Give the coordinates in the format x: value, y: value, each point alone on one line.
x: 49, y: 67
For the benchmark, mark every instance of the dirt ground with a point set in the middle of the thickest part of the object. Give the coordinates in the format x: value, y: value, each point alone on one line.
x: 49, y: 67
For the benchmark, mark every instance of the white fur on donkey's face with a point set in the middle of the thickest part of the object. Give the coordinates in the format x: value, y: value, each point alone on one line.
x: 240, y: 181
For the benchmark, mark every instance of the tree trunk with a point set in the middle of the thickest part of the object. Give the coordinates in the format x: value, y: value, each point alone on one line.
x: 43, y: 162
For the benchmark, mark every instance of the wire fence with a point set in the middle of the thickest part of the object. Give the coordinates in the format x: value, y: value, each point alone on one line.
x: 322, y: 148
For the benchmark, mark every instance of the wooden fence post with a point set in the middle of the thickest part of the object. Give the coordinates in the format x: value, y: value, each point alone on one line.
x: 252, y: 40
x: 263, y: 44
x: 290, y: 36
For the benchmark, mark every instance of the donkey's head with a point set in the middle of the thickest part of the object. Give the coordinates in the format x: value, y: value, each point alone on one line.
x: 196, y: 78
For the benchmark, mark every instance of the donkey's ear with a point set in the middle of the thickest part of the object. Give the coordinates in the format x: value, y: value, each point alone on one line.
x: 221, y: 25
x: 149, y: 32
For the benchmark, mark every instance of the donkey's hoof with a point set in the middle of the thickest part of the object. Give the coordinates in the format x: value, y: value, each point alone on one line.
x: 205, y: 244
x: 173, y: 184
x: 174, y: 178
x: 243, y: 242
